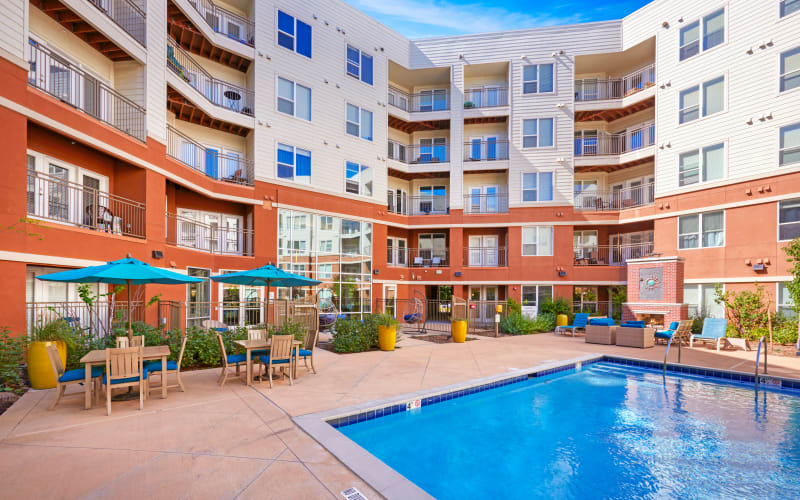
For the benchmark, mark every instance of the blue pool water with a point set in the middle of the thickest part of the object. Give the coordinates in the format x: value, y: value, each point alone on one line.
x: 605, y: 431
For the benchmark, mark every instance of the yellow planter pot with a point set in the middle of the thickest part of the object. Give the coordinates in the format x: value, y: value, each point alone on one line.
x: 459, y: 331
x: 561, y: 320
x: 387, y: 336
x: 40, y: 372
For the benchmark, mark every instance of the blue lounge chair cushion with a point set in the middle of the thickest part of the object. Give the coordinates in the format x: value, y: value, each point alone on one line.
x: 713, y: 328
x: 126, y: 380
x: 602, y: 321
x: 265, y: 360
x: 633, y: 324
x: 155, y: 365
x: 237, y: 358
x: 664, y: 334
x: 80, y: 374
x: 305, y: 352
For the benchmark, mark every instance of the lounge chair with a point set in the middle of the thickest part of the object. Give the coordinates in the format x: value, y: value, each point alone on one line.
x: 65, y: 378
x: 713, y: 330
x: 579, y: 323
x: 668, y: 333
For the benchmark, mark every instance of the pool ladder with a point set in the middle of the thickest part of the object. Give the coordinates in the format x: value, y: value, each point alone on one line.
x: 758, y: 355
x: 666, y: 353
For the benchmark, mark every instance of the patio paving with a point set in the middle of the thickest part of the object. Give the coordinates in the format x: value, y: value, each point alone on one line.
x: 240, y: 442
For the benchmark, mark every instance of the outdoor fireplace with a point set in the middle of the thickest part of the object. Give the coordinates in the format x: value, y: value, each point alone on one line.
x: 655, y: 291
x: 651, y: 318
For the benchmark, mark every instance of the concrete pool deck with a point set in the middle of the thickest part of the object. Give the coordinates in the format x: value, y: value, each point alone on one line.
x: 240, y: 442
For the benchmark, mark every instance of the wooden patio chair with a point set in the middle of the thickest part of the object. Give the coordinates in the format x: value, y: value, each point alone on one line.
x: 280, y: 354
x: 308, y: 349
x: 227, y: 361
x: 154, y: 367
x: 70, y: 377
x: 124, y: 368
x: 135, y: 341
x: 212, y: 324
x: 255, y: 355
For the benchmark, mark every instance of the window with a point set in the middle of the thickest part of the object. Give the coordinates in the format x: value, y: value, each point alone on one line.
x: 431, y: 199
x: 702, y: 301
x: 584, y: 244
x: 537, y: 186
x: 325, y: 271
x: 359, y: 122
x: 326, y: 246
x: 533, y: 296
x: 702, y: 165
x: 397, y: 201
x: 432, y: 249
x: 790, y: 145
x: 198, y: 295
x: 358, y: 179
x: 537, y: 133
x: 537, y: 241
x: 713, y: 34
x: 294, y: 99
x: 396, y: 251
x: 537, y: 78
x: 294, y: 34
x: 359, y: 65
x: 701, y: 230
x: 790, y: 69
x: 691, y: 107
x: 785, y: 305
x: 294, y: 164
x: 788, y: 220
x: 789, y: 7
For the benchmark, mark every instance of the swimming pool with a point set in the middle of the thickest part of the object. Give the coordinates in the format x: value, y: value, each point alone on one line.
x: 603, y: 431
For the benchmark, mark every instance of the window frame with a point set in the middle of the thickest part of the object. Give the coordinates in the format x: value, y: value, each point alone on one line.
x: 782, y: 150
x: 700, y: 230
x: 295, y: 83
x: 780, y: 305
x: 538, y: 173
x: 701, y: 102
x: 360, y: 180
x: 360, y: 64
x: 537, y: 228
x: 538, y: 134
x: 538, y: 79
x: 295, y: 20
x: 701, y: 29
x: 359, y: 124
x: 782, y: 75
x: 701, y: 164
x: 278, y: 163
x: 701, y: 306
x: 396, y: 251
x: 537, y: 288
x: 778, y: 218
x: 781, y: 15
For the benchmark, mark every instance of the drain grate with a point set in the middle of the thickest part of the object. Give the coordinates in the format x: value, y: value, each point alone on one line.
x: 353, y: 494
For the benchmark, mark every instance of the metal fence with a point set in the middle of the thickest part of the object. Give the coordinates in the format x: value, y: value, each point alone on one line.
x: 630, y: 197
x: 424, y: 101
x: 486, y: 97
x: 479, y: 150
x: 127, y: 15
x: 604, y: 143
x: 61, y: 79
x: 56, y: 199
x: 486, y: 203
x: 219, y: 92
x: 238, y: 313
x: 97, y: 320
x: 437, y: 314
x: 228, y: 23
x: 593, y: 89
x: 215, y: 164
x: 485, y: 256
x: 436, y: 152
x: 611, y: 255
x: 428, y: 205
x: 211, y: 238
x: 598, y: 308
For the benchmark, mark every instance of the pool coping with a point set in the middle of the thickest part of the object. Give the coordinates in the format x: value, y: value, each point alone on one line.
x: 322, y: 426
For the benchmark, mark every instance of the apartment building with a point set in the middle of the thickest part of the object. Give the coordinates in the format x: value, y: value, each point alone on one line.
x: 208, y: 136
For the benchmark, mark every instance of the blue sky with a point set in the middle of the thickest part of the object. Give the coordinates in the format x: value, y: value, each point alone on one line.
x: 424, y: 18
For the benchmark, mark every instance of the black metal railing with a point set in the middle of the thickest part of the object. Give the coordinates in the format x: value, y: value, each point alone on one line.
x: 610, y: 255
x: 60, y: 200
x: 419, y: 153
x: 485, y: 256
x: 228, y: 23
x: 218, y: 92
x: 630, y: 197
x: 593, y: 89
x: 604, y: 143
x: 212, y: 238
x: 487, y: 97
x: 480, y: 150
x: 423, y: 101
x: 96, y: 320
x: 486, y: 203
x: 61, y: 79
x: 428, y: 205
x: 215, y: 164
x: 127, y: 15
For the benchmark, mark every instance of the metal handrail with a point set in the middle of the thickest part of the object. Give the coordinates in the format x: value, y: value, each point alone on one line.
x: 127, y: 15
x: 428, y: 205
x: 61, y: 79
x: 616, y: 144
x: 423, y: 101
x: 190, y: 233
x: 594, y: 89
x: 59, y: 200
x: 218, y: 92
x: 485, y: 256
x: 758, y: 354
x: 485, y: 150
x: 414, y: 154
x: 486, y: 203
x: 96, y: 320
x: 217, y: 17
x: 610, y: 255
x: 214, y: 164
x: 486, y: 97
x: 630, y: 197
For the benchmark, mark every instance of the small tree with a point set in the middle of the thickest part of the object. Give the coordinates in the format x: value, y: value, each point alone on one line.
x: 747, y: 310
x: 793, y: 253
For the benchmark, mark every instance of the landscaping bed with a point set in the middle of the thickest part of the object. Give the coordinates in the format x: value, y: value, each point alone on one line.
x: 438, y: 339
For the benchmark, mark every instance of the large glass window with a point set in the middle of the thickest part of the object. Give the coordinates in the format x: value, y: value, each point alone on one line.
x: 294, y: 164
x: 533, y: 296
x: 789, y: 220
x: 702, y: 301
x: 537, y: 186
x: 702, y: 35
x: 294, y: 34
x: 691, y: 106
x: 294, y: 99
x: 537, y: 133
x: 358, y: 179
x: 785, y: 305
x: 359, y: 65
x: 790, y: 69
x: 789, y: 153
x: 359, y: 122
x: 701, y: 230
x: 198, y: 297
x: 789, y: 7
x: 537, y: 241
x: 537, y: 78
x: 702, y: 165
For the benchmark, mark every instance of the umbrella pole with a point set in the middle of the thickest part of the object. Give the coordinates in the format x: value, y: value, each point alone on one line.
x: 267, y: 315
x: 130, y: 312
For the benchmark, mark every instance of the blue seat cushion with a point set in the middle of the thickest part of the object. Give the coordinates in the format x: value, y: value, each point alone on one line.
x: 666, y: 334
x: 305, y: 352
x: 633, y: 324
x: 155, y: 365
x: 126, y: 380
x: 237, y: 358
x: 80, y: 374
x: 265, y: 360
x: 257, y: 353
x: 602, y: 321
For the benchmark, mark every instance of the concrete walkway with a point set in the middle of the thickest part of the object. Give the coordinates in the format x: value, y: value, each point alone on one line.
x: 239, y: 442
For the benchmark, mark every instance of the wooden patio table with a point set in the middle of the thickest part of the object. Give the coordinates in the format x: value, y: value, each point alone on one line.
x: 98, y: 357
x: 256, y: 345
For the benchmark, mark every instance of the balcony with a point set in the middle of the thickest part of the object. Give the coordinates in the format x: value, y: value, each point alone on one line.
x: 127, y: 15
x: 218, y: 92
x: 491, y: 150
x: 70, y: 84
x: 219, y: 166
x: 605, y: 144
x: 414, y: 154
x: 227, y: 23
x: 611, y: 255
x: 486, y: 203
x: 422, y: 102
x: 631, y: 197
x: 212, y: 238
x: 485, y: 257
x: 58, y: 200
x: 592, y: 89
x: 417, y: 257
x: 429, y: 205
x: 487, y: 97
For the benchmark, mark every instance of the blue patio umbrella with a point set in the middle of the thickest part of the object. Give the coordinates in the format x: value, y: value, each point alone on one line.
x: 127, y: 271
x: 267, y: 276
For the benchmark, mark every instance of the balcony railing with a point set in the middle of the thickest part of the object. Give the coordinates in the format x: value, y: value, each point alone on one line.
x: 226, y: 22
x: 485, y: 257
x: 616, y: 144
x: 630, y: 197
x: 211, y: 238
x: 418, y: 153
x: 486, y: 203
x: 611, y: 255
x: 219, y: 92
x: 215, y: 164
x: 592, y: 89
x: 428, y: 205
x: 491, y: 150
x: 424, y: 101
x: 487, y: 97
x: 127, y: 15
x: 59, y: 200
x: 427, y: 257
x: 61, y: 79
x: 97, y: 320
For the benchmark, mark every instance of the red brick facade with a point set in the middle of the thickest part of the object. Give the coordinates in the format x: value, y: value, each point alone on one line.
x: 670, y: 303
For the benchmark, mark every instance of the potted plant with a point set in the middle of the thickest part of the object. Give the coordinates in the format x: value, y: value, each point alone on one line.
x: 387, y: 332
x: 469, y: 105
x: 458, y: 329
x: 57, y: 333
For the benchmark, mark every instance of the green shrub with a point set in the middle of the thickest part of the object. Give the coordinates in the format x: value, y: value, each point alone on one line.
x: 784, y: 330
x: 290, y: 328
x: 52, y: 331
x: 12, y: 354
x: 557, y: 306
x: 512, y: 306
x: 517, y: 324
x: 545, y: 322
x: 356, y: 335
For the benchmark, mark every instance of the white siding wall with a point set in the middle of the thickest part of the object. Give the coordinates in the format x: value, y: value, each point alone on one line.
x: 13, y: 24
x: 129, y: 80
x: 155, y: 70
